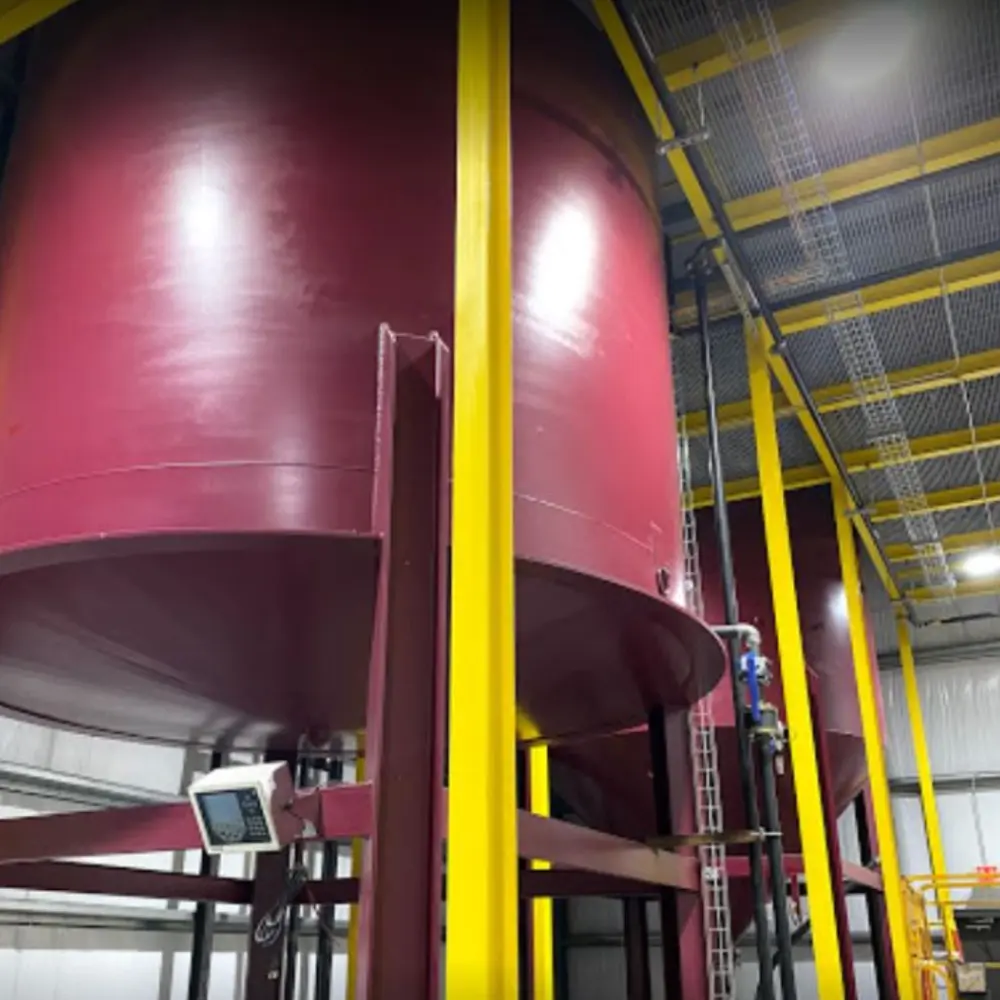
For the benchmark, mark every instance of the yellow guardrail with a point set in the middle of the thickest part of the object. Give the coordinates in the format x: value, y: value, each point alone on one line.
x: 935, y: 950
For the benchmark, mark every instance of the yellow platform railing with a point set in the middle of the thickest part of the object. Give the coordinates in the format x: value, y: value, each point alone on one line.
x: 935, y: 950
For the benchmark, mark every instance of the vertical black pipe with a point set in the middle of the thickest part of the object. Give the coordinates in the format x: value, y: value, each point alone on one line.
x: 203, y: 930
x: 776, y: 864
x: 876, y: 904
x: 294, y: 913
x: 324, y: 940
x: 560, y: 933
x: 748, y: 784
x: 638, y: 981
x: 670, y: 924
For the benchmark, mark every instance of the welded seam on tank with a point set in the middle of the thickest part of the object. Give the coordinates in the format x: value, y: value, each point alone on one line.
x: 596, y: 140
x: 183, y: 466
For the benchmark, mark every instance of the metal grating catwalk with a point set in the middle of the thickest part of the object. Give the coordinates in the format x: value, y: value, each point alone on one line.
x: 880, y: 200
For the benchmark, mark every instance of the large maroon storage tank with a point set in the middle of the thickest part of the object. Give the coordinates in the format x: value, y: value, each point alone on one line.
x: 210, y: 208
x: 622, y: 798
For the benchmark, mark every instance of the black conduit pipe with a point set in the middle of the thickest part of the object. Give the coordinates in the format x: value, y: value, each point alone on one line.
x: 324, y: 943
x: 203, y: 931
x: 748, y: 783
x: 776, y: 864
x: 294, y: 919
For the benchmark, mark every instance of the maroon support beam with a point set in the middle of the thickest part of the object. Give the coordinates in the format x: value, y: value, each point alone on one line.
x: 398, y: 950
x: 569, y: 846
x: 106, y: 880
x: 738, y: 866
x: 344, y: 812
x: 565, y: 883
x: 862, y: 876
x: 885, y: 973
x: 826, y: 785
x: 681, y: 918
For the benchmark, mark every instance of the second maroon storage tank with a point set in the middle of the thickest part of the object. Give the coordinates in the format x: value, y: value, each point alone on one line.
x: 210, y: 208
x: 619, y: 790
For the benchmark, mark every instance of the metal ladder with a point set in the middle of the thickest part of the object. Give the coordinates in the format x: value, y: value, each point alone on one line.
x: 720, y: 958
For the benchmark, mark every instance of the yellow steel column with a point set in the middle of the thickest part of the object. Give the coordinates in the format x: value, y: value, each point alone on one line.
x: 928, y: 802
x: 871, y: 729
x: 481, y: 957
x: 542, y: 948
x: 808, y: 797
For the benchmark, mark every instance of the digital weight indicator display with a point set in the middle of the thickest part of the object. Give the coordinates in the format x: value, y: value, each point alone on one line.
x: 233, y: 817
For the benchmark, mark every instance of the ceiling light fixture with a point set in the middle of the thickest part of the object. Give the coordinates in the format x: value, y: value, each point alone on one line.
x: 868, y: 46
x: 981, y: 564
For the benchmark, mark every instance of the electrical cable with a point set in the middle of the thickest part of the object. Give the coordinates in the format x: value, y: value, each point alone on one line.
x: 269, y: 927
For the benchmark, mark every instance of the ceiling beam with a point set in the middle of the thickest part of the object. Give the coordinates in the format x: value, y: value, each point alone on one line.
x: 920, y: 286
x: 952, y: 545
x: 16, y: 18
x: 954, y: 499
x: 874, y: 173
x: 967, y: 588
x: 708, y: 57
x: 843, y: 396
x: 933, y: 282
x: 922, y: 449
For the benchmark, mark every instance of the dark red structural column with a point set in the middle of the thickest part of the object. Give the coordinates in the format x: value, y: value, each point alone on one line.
x: 885, y: 975
x: 681, y: 919
x: 268, y: 917
x: 833, y: 842
x: 399, y: 935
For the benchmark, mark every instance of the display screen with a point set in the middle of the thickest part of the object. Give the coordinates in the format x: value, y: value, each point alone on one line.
x: 233, y: 817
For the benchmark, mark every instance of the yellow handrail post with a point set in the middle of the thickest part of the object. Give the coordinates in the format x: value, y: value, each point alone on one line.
x: 808, y: 796
x: 481, y: 956
x: 871, y: 730
x: 928, y: 802
x: 542, y: 945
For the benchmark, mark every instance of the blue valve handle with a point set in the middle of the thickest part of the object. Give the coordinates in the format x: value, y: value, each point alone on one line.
x: 748, y: 673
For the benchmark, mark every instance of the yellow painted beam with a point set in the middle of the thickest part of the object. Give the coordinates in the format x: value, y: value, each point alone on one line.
x: 708, y: 58
x: 922, y: 449
x: 542, y: 943
x: 481, y: 957
x: 925, y: 779
x: 923, y: 286
x: 794, y: 681
x: 905, y: 552
x: 965, y: 588
x: 880, y: 296
x: 695, y: 194
x: 869, y: 701
x: 21, y: 15
x: 842, y: 396
x: 959, y: 498
x: 875, y: 173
